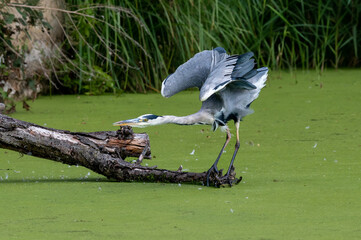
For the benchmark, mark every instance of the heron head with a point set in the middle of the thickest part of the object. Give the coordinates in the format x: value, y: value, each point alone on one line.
x: 141, y: 121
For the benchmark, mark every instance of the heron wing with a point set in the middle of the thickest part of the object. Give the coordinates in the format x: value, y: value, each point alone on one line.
x: 192, y: 73
x: 237, y: 101
x: 232, y: 69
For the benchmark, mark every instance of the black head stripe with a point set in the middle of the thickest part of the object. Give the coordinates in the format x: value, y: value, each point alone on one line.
x: 150, y: 116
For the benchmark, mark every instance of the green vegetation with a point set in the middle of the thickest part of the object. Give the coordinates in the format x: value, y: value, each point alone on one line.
x: 115, y: 46
x: 153, y: 38
x: 299, y: 158
x: 9, y: 55
x: 300, y: 150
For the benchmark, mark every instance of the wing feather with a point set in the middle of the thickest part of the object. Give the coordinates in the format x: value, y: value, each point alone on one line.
x: 231, y: 69
x: 192, y: 73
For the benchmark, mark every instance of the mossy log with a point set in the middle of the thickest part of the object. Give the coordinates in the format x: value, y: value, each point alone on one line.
x: 102, y: 152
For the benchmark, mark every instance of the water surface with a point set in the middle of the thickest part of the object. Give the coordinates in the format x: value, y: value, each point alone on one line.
x: 299, y: 158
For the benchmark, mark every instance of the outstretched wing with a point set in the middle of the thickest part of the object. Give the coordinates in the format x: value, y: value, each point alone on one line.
x: 192, y: 73
x: 236, y: 101
x: 234, y: 69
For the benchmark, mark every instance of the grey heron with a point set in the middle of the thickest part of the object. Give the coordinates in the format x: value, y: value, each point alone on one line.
x: 228, y: 85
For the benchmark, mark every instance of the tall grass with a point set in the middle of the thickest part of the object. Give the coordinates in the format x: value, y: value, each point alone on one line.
x: 136, y: 48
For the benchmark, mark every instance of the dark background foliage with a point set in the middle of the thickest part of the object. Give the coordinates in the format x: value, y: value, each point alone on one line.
x: 114, y: 46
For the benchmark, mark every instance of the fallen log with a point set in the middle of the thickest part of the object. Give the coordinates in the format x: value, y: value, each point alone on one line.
x: 102, y: 152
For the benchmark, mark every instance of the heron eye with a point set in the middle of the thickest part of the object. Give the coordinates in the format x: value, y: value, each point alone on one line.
x: 145, y: 120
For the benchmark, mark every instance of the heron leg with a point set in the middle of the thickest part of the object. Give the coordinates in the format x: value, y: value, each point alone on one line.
x: 227, y: 176
x: 214, y: 166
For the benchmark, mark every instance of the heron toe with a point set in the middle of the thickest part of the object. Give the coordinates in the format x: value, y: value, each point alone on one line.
x: 230, y: 178
x: 213, y: 174
x: 230, y: 181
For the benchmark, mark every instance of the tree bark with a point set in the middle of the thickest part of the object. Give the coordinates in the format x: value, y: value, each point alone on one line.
x: 102, y: 152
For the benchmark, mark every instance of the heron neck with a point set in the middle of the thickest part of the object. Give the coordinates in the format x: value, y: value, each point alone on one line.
x: 193, y: 119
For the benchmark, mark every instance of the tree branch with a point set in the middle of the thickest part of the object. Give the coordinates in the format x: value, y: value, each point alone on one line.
x: 102, y: 152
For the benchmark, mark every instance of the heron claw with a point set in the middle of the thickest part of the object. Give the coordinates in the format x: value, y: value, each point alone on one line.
x: 228, y: 179
x: 215, y: 172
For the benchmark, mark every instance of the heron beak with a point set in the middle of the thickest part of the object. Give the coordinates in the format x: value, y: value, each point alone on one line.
x: 129, y: 122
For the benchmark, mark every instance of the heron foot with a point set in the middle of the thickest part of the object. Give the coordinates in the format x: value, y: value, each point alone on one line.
x: 229, y: 178
x: 213, y: 173
x: 215, y: 176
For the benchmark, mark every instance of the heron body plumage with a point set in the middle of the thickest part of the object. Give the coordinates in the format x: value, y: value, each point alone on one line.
x: 232, y: 78
x: 228, y: 85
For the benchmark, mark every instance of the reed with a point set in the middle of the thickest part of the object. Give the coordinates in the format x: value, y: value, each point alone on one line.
x: 133, y: 45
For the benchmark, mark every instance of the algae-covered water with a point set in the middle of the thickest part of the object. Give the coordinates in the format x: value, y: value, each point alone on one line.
x: 300, y: 159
